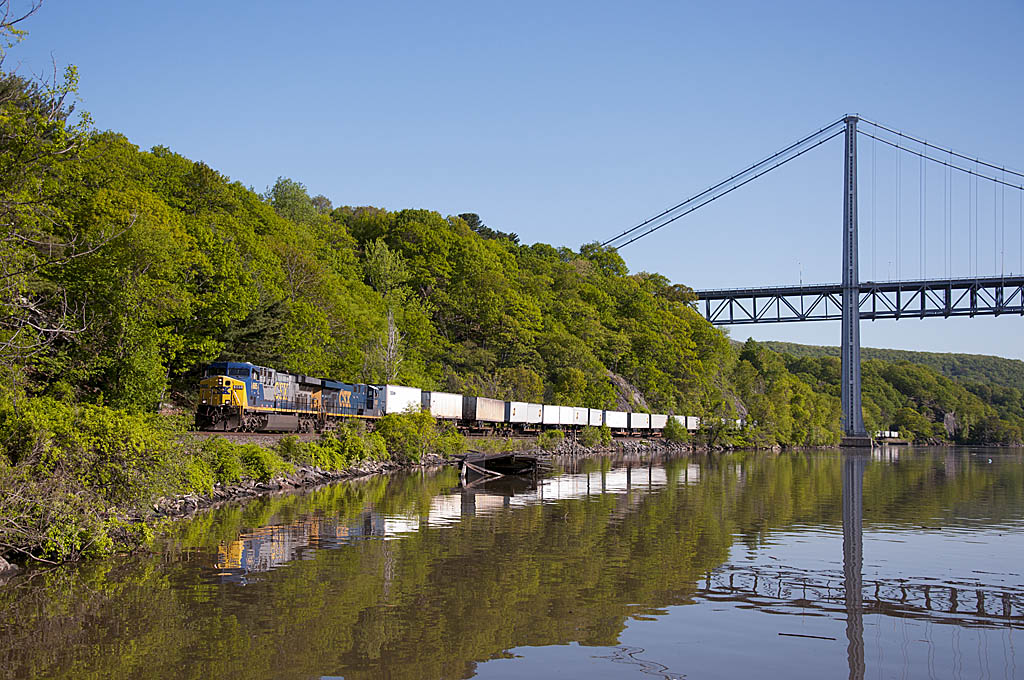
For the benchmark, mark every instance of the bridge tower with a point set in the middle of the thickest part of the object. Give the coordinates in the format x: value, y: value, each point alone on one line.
x: 854, y: 433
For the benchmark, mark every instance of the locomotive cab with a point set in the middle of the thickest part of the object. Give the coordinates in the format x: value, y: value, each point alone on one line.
x: 224, y: 394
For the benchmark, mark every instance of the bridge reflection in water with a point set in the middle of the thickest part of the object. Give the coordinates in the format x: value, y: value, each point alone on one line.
x: 853, y: 560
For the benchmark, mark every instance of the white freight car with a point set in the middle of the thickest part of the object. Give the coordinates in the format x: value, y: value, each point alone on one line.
x: 617, y: 420
x: 551, y: 414
x: 565, y: 415
x: 639, y: 421
x: 523, y: 413
x: 398, y: 399
x: 443, y: 405
x: 482, y: 409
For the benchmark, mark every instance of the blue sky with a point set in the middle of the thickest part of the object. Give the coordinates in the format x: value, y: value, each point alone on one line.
x: 568, y: 122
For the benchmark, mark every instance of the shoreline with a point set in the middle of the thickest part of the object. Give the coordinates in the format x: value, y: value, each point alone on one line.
x: 308, y: 477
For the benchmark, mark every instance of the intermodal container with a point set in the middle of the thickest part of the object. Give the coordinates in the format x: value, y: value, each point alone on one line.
x: 679, y: 419
x: 565, y: 415
x: 595, y: 417
x: 658, y: 421
x: 483, y: 409
x: 443, y: 405
x: 617, y: 420
x: 579, y: 415
x: 639, y: 421
x: 551, y: 414
x: 692, y: 423
x: 398, y: 398
x: 523, y: 412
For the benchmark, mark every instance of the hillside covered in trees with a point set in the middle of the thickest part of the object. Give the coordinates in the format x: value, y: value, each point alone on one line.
x: 127, y: 270
x: 124, y: 271
x: 964, y: 368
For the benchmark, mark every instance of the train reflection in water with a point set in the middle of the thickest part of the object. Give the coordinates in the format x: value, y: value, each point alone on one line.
x: 272, y: 546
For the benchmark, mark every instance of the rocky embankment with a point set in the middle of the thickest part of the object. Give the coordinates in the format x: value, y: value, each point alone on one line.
x: 304, y: 477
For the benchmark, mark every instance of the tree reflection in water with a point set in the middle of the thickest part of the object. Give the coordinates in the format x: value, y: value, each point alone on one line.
x: 407, y: 577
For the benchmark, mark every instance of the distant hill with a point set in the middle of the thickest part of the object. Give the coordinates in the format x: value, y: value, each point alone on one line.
x: 961, y: 367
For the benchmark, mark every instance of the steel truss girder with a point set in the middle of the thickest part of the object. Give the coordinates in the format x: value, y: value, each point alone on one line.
x: 982, y: 296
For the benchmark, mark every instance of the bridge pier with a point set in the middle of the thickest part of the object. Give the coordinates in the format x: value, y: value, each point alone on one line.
x: 854, y: 433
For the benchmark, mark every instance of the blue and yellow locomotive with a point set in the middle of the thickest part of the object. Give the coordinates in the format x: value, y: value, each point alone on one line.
x: 240, y: 396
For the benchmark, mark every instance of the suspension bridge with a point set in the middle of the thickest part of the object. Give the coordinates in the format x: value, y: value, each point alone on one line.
x: 851, y: 300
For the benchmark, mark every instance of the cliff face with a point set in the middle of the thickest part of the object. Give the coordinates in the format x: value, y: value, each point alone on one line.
x: 627, y: 396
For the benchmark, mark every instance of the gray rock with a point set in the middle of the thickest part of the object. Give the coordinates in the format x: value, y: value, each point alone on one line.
x: 6, y: 568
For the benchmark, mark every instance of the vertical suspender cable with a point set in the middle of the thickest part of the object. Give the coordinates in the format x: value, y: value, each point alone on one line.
x: 874, y: 145
x: 945, y: 221
x: 1002, y: 227
x: 977, y: 224
x: 923, y: 217
x: 899, y: 205
x: 970, y: 225
x: 951, y: 222
x: 995, y: 227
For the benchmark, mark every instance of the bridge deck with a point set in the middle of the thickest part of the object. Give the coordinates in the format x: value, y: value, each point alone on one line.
x: 979, y: 296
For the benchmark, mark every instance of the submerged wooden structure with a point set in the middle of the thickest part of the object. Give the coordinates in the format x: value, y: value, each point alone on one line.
x: 476, y: 466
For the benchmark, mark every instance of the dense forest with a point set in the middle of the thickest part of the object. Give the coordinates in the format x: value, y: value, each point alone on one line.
x: 124, y: 271
x: 963, y: 368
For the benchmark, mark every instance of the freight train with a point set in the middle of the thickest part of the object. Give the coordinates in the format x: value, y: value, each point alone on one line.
x: 242, y: 397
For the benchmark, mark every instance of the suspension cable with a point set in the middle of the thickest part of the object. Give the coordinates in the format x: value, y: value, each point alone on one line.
x: 710, y: 190
x: 933, y: 159
x: 923, y: 142
x: 715, y: 197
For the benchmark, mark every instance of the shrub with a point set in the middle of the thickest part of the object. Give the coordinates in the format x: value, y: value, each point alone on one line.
x: 291, y: 448
x: 199, y: 476
x: 674, y: 431
x: 67, y: 465
x: 223, y: 458
x: 413, y: 434
x: 590, y: 437
x: 450, y: 442
x: 124, y: 459
x: 409, y: 435
x: 337, y: 450
x: 262, y: 464
x: 550, y: 439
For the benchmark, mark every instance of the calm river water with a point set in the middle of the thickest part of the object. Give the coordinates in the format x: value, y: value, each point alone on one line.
x: 905, y: 563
